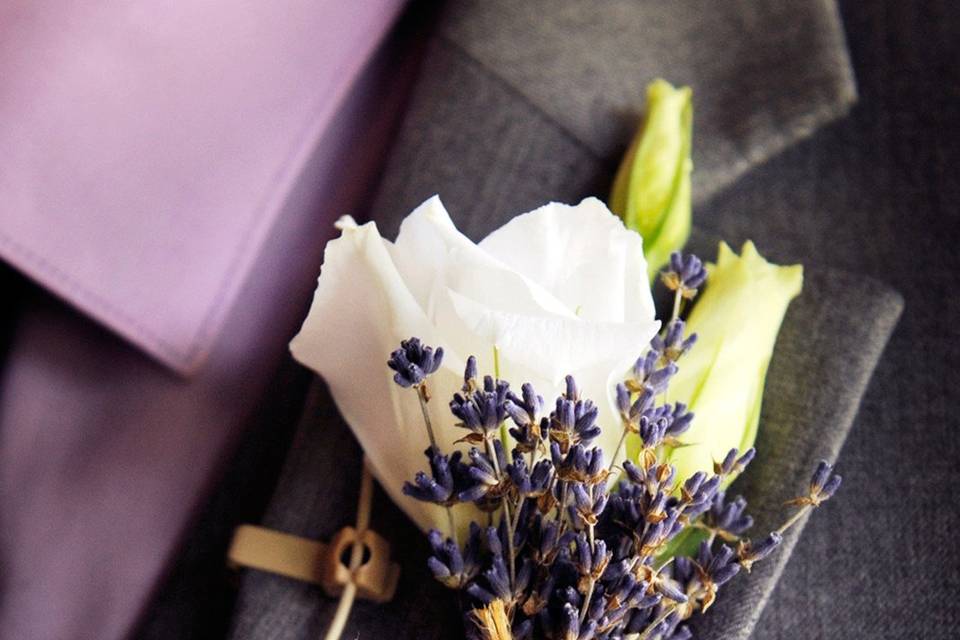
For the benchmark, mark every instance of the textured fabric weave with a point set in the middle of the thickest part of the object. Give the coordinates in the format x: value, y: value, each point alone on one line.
x: 877, y: 193
x: 524, y: 102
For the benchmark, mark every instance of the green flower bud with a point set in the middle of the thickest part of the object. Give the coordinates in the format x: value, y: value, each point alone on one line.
x: 721, y: 379
x: 651, y: 191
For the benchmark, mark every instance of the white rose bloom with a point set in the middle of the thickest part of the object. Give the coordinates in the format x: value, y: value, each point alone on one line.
x: 560, y: 290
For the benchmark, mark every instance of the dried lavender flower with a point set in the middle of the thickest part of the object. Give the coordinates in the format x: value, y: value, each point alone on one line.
x: 649, y: 375
x: 562, y: 556
x: 684, y: 274
x: 749, y: 552
x: 671, y: 345
x: 481, y: 411
x: 413, y: 362
x: 734, y: 462
x: 530, y: 484
x: 728, y: 520
x: 823, y: 484
x: 441, y: 487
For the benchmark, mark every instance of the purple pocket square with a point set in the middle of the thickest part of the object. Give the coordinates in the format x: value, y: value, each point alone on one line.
x: 148, y: 148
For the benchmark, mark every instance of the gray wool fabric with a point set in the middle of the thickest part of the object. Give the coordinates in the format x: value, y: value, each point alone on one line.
x: 825, y: 356
x: 521, y: 103
x: 877, y: 193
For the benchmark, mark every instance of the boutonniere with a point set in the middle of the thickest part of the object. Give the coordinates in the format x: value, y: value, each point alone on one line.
x: 566, y: 452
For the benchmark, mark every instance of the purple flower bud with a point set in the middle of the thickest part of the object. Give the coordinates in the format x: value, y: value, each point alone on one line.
x: 684, y: 273
x: 824, y: 483
x: 755, y: 551
x: 623, y: 399
x: 726, y: 466
x: 831, y: 487
x: 820, y: 476
x: 671, y: 591
x: 470, y: 373
x: 413, y: 362
x: 745, y: 459
x: 633, y: 472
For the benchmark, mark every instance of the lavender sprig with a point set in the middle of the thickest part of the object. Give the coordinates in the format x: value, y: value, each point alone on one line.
x: 413, y: 362
x: 684, y: 275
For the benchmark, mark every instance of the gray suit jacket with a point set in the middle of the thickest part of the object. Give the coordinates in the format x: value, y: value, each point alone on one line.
x: 521, y: 103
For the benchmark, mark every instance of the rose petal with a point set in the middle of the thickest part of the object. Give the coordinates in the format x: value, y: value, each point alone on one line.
x: 543, y: 350
x: 432, y: 255
x: 581, y: 254
x: 360, y: 312
x: 434, y: 283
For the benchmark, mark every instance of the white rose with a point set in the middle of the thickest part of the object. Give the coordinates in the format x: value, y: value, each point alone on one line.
x: 560, y: 290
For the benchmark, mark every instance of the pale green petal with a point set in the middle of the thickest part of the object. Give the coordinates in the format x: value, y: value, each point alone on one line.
x: 736, y: 319
x: 651, y: 191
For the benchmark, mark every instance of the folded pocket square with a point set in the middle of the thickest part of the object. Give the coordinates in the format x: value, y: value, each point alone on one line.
x: 146, y: 157
x: 830, y: 342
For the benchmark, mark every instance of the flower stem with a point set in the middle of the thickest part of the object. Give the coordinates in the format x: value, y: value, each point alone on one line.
x: 511, y: 532
x: 677, y: 299
x: 422, y: 397
x: 586, y: 601
x: 510, y: 551
x: 452, y: 522
x: 794, y: 519
x: 562, y: 506
x: 342, y: 613
x: 506, y: 512
x: 591, y: 536
x: 616, y: 452
x: 589, y: 595
x: 496, y: 375
x: 666, y: 563
x: 656, y: 623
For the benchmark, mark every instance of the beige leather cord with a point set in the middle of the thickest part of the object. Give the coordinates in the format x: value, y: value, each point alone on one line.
x: 369, y: 575
x: 356, y: 556
x: 277, y: 552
